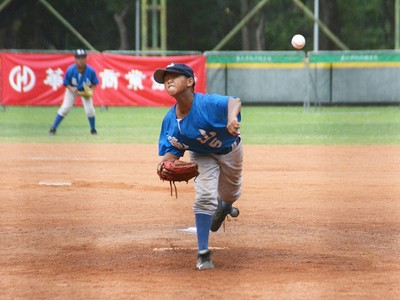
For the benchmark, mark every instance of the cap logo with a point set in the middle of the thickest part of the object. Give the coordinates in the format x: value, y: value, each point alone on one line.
x: 178, y: 68
x: 80, y: 52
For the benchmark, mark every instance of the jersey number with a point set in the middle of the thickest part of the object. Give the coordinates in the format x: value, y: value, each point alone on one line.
x: 210, y: 138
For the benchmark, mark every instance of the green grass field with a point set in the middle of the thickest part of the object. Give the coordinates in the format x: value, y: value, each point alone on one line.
x: 289, y: 125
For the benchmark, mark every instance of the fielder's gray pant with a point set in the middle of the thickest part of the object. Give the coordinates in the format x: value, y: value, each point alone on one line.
x: 69, y: 99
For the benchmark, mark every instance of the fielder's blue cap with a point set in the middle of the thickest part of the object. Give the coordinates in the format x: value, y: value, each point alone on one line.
x: 173, y: 68
x: 80, y: 53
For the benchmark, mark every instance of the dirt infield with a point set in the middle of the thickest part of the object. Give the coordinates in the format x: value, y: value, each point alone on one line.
x: 95, y: 222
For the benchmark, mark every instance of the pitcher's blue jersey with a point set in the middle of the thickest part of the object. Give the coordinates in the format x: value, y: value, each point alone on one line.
x: 203, y: 130
x: 76, y: 79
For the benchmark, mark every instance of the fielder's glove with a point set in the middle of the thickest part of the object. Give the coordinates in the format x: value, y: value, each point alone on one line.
x: 86, y: 93
x: 176, y: 170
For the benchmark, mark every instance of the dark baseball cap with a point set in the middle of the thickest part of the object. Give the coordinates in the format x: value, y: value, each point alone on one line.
x: 173, y: 68
x: 80, y: 53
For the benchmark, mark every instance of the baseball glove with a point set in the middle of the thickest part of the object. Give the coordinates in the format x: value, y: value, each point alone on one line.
x: 176, y: 170
x: 86, y: 93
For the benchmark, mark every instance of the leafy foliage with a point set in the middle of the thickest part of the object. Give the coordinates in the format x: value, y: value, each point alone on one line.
x: 372, y: 23
x: 196, y: 25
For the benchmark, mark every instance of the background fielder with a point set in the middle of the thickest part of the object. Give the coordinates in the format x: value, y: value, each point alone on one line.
x: 208, y: 127
x: 80, y: 79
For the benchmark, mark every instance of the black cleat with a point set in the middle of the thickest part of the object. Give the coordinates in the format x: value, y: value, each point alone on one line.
x: 220, y: 214
x: 93, y: 132
x: 204, y: 261
x: 52, y: 131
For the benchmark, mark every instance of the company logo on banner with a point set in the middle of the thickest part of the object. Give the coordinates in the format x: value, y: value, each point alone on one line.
x: 37, y: 79
x: 22, y: 79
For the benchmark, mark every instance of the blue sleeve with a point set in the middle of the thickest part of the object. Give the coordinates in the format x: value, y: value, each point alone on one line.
x: 222, y: 107
x: 67, y: 77
x: 164, y: 145
x: 93, y: 77
x: 221, y: 111
x: 216, y: 108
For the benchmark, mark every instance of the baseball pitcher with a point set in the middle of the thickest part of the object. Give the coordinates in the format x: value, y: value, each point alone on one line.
x: 208, y: 127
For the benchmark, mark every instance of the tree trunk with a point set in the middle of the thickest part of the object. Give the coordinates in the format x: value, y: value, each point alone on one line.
x: 253, y: 31
x: 329, y: 15
x: 244, y: 8
x: 260, y: 36
x: 123, y: 31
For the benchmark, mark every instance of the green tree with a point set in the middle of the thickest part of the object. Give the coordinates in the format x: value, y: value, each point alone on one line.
x: 197, y: 25
x: 367, y: 24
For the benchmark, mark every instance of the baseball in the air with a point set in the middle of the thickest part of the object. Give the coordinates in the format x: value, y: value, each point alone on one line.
x: 298, y: 41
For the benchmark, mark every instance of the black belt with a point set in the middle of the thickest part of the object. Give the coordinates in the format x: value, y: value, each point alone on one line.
x: 233, y: 146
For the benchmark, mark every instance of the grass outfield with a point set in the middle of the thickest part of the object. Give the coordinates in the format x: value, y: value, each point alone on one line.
x: 260, y: 125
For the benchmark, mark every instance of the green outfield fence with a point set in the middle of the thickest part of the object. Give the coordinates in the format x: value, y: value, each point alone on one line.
x: 354, y: 77
x: 258, y: 77
x: 313, y: 78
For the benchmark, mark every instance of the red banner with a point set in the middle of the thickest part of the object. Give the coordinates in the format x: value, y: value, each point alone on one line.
x: 125, y: 80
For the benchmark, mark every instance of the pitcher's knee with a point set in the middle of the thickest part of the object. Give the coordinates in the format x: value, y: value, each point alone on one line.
x: 204, y: 207
x: 230, y: 196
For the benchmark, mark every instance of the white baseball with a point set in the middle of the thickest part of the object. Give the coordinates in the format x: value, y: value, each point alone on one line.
x: 298, y: 41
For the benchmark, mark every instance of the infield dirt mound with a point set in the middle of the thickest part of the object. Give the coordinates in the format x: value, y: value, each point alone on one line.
x: 316, y: 222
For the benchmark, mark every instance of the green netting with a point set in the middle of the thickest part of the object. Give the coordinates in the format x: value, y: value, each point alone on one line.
x: 354, y: 56
x: 255, y: 57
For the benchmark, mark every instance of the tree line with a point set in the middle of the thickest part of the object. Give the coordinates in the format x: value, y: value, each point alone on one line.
x: 197, y: 25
